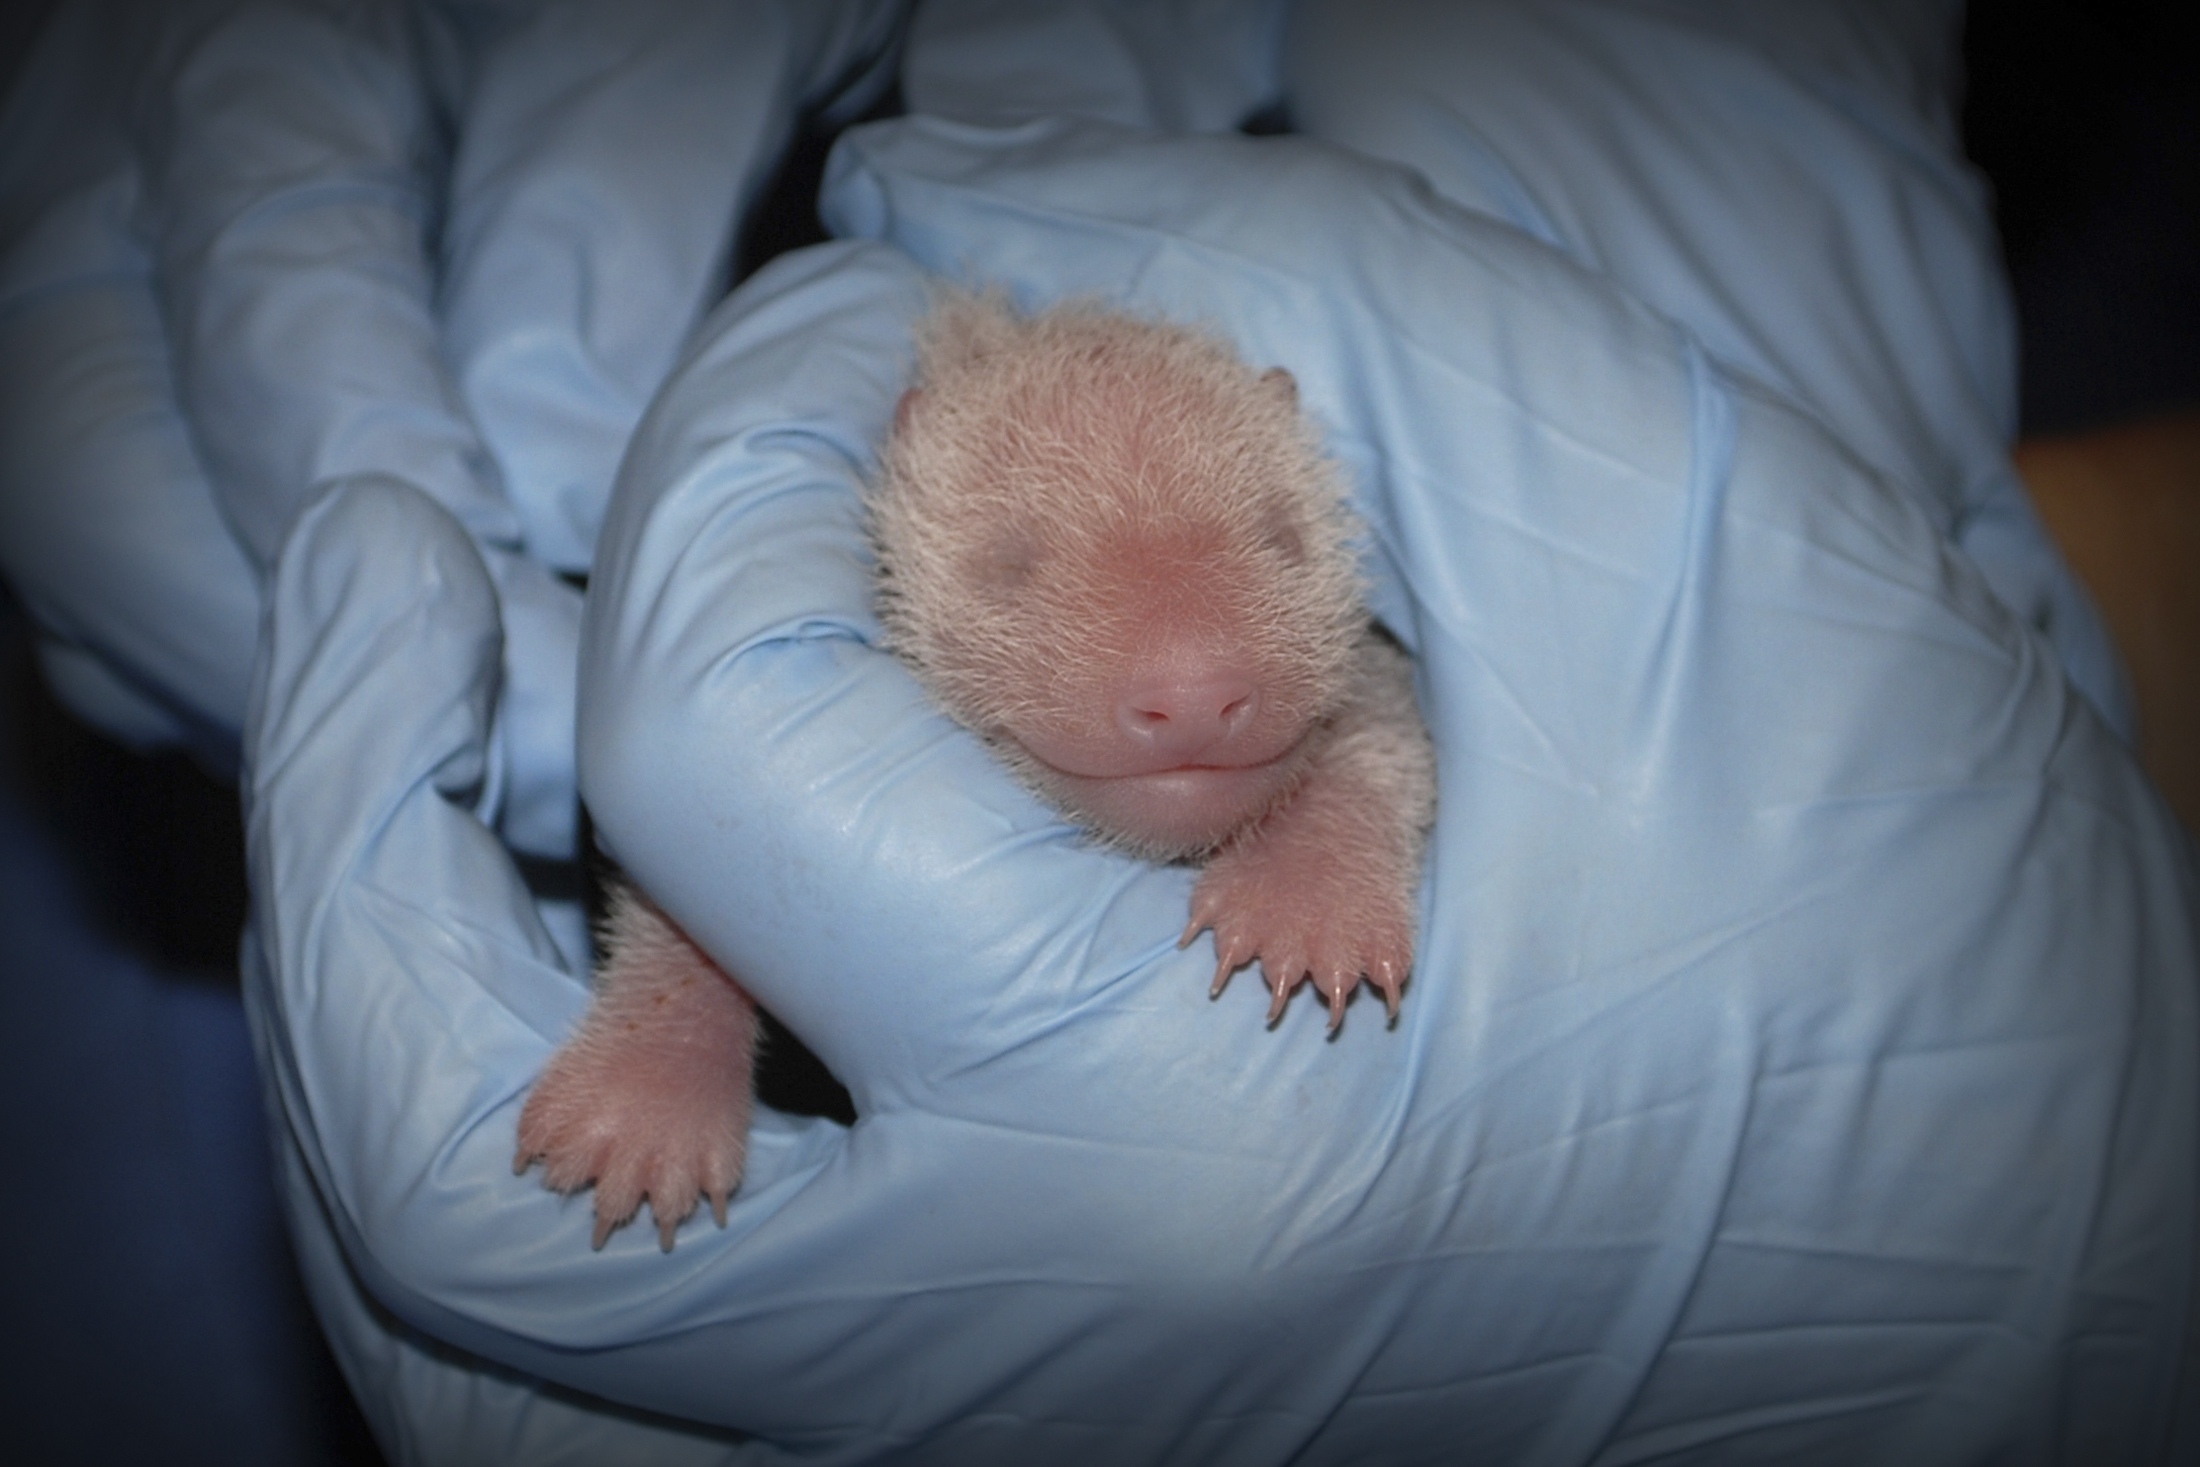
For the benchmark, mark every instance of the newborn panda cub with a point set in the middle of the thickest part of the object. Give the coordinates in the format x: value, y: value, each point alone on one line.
x: 1118, y: 554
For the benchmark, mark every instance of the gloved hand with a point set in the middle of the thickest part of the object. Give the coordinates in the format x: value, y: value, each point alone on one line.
x: 261, y: 195
x: 108, y: 530
x: 1816, y: 223
x: 1802, y: 1049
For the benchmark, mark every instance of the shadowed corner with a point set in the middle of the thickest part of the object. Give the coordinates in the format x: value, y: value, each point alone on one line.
x: 149, y: 1261
x: 2082, y: 117
x: 2124, y: 504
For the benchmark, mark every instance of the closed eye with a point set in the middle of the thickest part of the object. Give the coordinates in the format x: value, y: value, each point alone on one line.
x: 1008, y: 564
x: 1282, y: 536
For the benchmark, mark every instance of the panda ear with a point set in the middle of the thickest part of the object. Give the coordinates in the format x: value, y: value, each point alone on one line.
x: 1281, y: 382
x: 907, y: 405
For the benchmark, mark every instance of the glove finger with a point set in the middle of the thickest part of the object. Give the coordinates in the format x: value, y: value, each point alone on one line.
x: 574, y: 279
x: 407, y: 992
x: 108, y: 528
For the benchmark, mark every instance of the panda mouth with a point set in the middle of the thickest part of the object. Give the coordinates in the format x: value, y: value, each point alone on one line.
x: 1180, y: 811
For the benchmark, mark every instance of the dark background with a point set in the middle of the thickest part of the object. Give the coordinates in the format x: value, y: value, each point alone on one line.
x: 148, y: 1307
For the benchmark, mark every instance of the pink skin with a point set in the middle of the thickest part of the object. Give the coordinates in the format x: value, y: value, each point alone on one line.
x: 651, y: 1096
x: 1158, y: 629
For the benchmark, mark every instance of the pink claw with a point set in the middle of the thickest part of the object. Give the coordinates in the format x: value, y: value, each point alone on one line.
x: 1392, y: 988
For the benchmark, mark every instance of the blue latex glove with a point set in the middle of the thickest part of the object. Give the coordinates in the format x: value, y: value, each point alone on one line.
x: 397, y: 977
x: 605, y: 154
x: 1175, y: 65
x: 1801, y: 1061
x: 261, y: 195
x: 1816, y: 224
x: 108, y: 529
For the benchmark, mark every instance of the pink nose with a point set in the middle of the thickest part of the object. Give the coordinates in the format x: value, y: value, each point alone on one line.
x: 1183, y: 718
